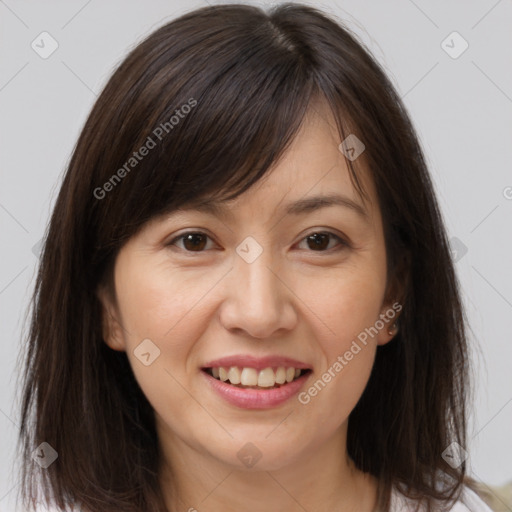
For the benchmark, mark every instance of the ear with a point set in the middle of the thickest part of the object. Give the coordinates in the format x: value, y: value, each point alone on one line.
x: 393, y: 302
x: 113, y: 332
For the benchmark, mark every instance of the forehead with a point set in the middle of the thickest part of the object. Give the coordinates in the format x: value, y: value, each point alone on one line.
x: 312, y: 173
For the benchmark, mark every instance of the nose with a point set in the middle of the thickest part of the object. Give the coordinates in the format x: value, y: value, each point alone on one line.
x: 257, y: 300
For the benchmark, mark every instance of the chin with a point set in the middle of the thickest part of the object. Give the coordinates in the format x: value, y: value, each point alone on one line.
x: 257, y: 454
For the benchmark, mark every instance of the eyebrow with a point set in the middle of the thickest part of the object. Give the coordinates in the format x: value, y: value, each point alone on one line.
x: 299, y: 207
x: 309, y: 204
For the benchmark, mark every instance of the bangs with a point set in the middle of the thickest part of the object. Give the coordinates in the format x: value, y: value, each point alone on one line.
x: 213, y: 121
x: 200, y: 111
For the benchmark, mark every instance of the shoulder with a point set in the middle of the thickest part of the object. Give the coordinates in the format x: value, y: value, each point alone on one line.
x: 469, y: 501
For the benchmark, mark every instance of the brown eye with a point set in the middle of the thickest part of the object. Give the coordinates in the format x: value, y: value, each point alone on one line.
x: 192, y: 241
x: 197, y: 241
x: 320, y: 241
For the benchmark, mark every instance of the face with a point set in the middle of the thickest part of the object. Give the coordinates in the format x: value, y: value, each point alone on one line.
x: 261, y: 283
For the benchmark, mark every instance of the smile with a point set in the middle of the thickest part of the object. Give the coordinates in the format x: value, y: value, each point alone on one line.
x: 251, y: 378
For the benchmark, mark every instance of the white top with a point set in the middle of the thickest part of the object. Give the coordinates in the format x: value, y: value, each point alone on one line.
x: 468, y: 502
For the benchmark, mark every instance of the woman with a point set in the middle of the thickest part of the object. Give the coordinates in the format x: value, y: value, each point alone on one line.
x: 246, y: 298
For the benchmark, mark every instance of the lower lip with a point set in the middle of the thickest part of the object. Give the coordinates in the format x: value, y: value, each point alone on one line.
x: 256, y: 398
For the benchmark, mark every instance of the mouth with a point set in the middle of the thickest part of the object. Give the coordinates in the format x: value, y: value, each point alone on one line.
x: 252, y: 378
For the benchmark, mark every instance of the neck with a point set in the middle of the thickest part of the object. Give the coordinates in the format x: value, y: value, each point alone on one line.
x: 321, y: 478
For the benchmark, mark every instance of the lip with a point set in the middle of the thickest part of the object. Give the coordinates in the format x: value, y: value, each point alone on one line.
x: 258, y: 363
x: 255, y: 398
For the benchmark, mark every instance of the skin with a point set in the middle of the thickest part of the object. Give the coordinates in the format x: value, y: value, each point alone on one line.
x: 292, y: 300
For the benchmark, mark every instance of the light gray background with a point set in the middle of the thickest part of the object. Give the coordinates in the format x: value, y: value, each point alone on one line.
x: 462, y: 109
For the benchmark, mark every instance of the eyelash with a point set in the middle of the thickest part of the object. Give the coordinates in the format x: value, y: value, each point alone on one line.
x: 342, y: 243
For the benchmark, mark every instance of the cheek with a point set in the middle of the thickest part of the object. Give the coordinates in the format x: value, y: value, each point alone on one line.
x: 160, y: 303
x: 170, y: 310
x: 349, y: 306
x: 165, y: 307
x: 348, y: 303
x: 346, y: 367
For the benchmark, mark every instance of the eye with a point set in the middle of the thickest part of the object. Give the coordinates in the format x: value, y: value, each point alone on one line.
x: 193, y: 241
x: 197, y: 241
x: 319, y: 241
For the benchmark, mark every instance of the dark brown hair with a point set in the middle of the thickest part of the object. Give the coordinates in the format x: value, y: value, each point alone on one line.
x: 247, y: 78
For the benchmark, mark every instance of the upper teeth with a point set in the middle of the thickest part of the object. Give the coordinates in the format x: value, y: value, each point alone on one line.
x: 251, y: 377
